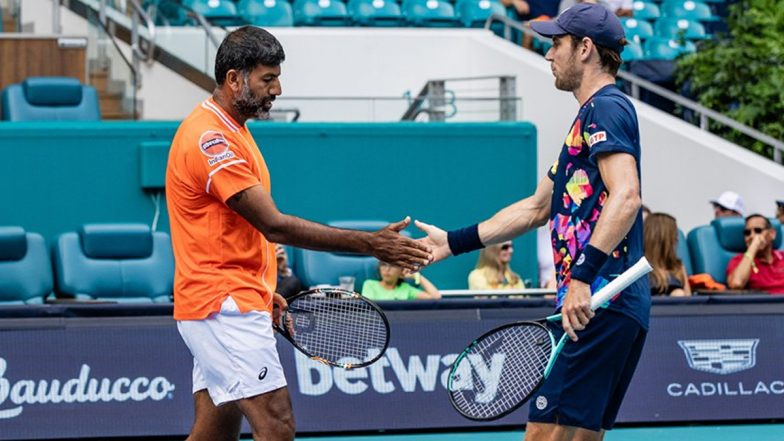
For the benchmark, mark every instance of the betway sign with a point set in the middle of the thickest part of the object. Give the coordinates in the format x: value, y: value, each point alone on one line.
x: 392, y: 372
x: 80, y: 389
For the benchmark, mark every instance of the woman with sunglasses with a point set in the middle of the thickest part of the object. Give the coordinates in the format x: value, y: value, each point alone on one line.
x: 760, y: 268
x: 660, y: 240
x: 493, y: 271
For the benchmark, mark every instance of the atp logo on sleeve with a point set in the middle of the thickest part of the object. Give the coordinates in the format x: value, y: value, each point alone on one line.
x: 215, y: 146
x: 596, y: 138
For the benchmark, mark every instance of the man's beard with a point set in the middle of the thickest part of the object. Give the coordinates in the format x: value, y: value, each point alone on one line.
x: 570, y: 79
x: 251, y: 106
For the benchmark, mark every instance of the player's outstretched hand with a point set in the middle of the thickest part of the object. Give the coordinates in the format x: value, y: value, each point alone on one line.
x: 388, y: 245
x: 435, y: 239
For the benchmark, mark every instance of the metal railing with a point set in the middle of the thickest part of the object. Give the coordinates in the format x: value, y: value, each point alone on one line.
x: 438, y: 102
x: 637, y: 83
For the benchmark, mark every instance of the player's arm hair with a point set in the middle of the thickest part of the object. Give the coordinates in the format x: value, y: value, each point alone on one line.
x: 257, y: 207
x: 619, y: 173
x: 520, y: 217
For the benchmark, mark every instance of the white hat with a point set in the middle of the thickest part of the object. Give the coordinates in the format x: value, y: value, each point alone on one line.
x: 730, y: 200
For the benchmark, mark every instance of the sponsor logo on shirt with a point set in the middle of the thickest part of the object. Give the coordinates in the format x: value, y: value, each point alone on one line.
x: 215, y: 146
x: 597, y: 138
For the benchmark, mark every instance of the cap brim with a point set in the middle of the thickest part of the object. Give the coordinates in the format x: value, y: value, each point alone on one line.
x: 547, y: 28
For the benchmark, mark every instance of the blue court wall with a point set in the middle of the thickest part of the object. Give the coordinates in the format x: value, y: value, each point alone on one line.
x: 57, y: 176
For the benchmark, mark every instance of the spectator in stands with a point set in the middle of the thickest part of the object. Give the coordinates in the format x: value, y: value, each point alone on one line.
x: 760, y: 268
x: 645, y: 212
x: 492, y: 269
x: 660, y: 239
x: 288, y: 283
x: 532, y: 10
x: 728, y: 204
x: 621, y: 8
x: 392, y: 285
x: 544, y: 254
x: 780, y: 211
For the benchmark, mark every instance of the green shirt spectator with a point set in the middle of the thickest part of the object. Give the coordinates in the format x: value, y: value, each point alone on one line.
x: 373, y: 290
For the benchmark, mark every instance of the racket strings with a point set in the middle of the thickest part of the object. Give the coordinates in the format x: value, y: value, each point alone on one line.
x: 524, y: 351
x: 338, y: 325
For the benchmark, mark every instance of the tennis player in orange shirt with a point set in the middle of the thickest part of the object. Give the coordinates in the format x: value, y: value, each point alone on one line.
x: 224, y: 227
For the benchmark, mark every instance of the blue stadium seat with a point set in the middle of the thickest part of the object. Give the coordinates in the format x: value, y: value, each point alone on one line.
x: 687, y: 9
x: 376, y: 13
x: 119, y: 262
x: 270, y: 13
x: 320, y: 13
x: 429, y: 13
x: 50, y: 99
x: 474, y: 13
x: 167, y: 12
x: 678, y: 28
x: 217, y: 12
x: 25, y: 268
x: 712, y: 246
x: 664, y: 49
x: 319, y: 267
x: 632, y: 52
x: 644, y: 10
x: 682, y: 250
x: 637, y: 30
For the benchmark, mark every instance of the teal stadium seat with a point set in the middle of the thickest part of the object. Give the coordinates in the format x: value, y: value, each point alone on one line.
x: 320, y: 13
x: 50, y: 99
x: 682, y: 250
x: 678, y: 28
x: 25, y: 268
x: 320, y: 267
x: 272, y: 13
x: 632, y: 52
x: 637, y: 30
x: 125, y: 263
x: 664, y: 49
x: 644, y: 10
x: 217, y: 12
x: 474, y: 13
x: 712, y: 246
x: 167, y: 12
x: 375, y: 13
x: 687, y: 9
x: 429, y: 13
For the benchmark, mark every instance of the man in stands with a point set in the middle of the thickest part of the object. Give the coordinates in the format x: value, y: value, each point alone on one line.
x: 780, y: 211
x: 728, y: 204
x: 760, y: 268
x: 224, y: 226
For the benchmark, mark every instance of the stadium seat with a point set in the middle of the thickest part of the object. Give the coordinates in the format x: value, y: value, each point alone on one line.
x: 429, y: 13
x: 167, y: 12
x: 712, y: 246
x: 677, y: 28
x: 376, y: 13
x: 664, y: 49
x: 266, y: 12
x: 682, y: 250
x: 320, y: 13
x: 474, y: 13
x: 320, y: 267
x: 25, y: 268
x: 687, y: 9
x: 217, y: 12
x: 125, y: 263
x: 637, y: 30
x: 646, y: 10
x: 50, y: 99
x: 632, y: 52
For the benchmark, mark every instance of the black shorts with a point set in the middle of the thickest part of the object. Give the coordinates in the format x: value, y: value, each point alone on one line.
x: 590, y: 376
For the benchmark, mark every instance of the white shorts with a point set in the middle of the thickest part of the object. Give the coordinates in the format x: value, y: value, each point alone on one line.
x: 234, y: 354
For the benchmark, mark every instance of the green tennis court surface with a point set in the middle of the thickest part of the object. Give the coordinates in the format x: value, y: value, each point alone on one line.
x: 756, y: 432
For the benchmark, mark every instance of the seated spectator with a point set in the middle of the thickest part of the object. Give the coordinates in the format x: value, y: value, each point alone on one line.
x: 660, y: 239
x: 493, y: 271
x: 544, y: 254
x: 288, y: 283
x: 621, y: 8
x: 393, y: 287
x: 527, y: 10
x: 728, y: 204
x: 760, y: 268
x: 780, y: 211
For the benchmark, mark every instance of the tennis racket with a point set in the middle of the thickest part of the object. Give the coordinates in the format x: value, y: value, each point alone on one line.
x: 499, y: 371
x: 336, y: 327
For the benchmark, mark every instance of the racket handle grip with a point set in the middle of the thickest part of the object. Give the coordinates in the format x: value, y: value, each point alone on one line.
x: 639, y: 269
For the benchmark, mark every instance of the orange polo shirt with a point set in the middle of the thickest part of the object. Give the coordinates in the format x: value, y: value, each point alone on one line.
x: 216, y: 251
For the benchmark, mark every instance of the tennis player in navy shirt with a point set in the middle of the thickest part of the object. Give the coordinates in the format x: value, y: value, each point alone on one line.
x: 591, y: 196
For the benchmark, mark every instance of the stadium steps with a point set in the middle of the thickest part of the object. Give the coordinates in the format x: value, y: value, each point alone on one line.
x: 110, y: 96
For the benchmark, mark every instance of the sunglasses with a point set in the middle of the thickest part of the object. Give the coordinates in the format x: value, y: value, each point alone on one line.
x: 507, y: 246
x: 756, y: 230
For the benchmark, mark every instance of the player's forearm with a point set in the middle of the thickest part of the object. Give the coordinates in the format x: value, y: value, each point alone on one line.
x: 301, y: 233
x: 514, y: 220
x: 618, y: 216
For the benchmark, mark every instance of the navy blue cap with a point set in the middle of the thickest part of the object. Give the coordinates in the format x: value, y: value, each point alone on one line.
x: 780, y: 203
x: 585, y: 20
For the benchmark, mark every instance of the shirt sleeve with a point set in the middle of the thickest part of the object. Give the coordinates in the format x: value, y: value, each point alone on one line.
x: 610, y: 128
x: 220, y: 164
x: 476, y: 280
x: 368, y: 290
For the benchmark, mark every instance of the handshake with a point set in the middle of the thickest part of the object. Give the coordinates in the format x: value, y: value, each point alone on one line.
x: 388, y: 245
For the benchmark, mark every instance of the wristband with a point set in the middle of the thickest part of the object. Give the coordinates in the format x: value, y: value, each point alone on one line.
x: 588, y: 264
x: 464, y: 240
